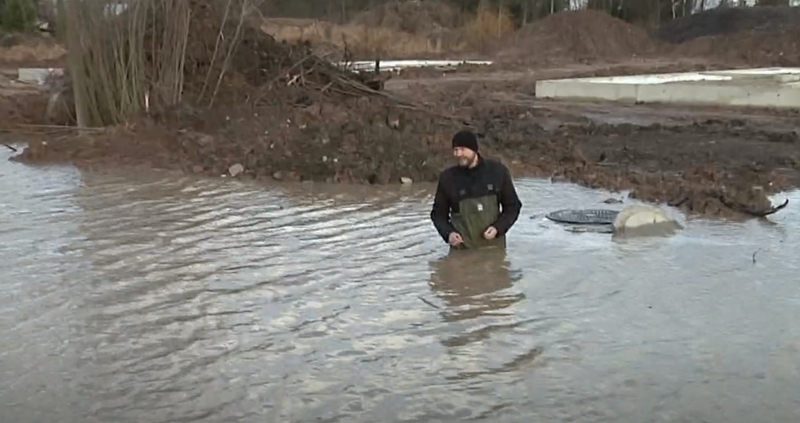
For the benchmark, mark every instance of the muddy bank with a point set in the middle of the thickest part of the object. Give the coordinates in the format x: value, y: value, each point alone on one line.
x: 359, y: 140
x: 279, y: 111
x: 22, y: 107
x: 713, y: 167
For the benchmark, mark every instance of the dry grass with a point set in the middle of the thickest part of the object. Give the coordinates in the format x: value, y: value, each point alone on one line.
x: 370, y: 41
x: 360, y: 40
x: 490, y: 24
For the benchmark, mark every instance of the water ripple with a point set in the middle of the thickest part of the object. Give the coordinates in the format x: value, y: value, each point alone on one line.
x: 167, y: 299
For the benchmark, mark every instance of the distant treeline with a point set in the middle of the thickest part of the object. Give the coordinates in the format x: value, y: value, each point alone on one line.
x: 651, y: 12
x: 17, y: 14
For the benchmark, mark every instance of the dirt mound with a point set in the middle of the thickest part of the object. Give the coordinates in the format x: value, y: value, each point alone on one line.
x: 730, y: 20
x: 752, y: 36
x: 751, y: 48
x: 21, y: 108
x: 423, y: 17
x: 583, y: 36
x: 258, y: 61
x: 279, y: 111
x: 655, y: 163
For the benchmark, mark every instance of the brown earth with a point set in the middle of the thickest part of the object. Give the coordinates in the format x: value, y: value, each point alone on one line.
x: 284, y: 116
x: 711, y: 161
x: 751, y: 36
x: 583, y: 36
x: 278, y: 103
x: 19, y: 103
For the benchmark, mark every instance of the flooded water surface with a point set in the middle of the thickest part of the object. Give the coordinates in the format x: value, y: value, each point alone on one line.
x: 128, y: 298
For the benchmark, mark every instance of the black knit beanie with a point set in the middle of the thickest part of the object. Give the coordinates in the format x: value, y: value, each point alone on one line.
x: 466, y: 138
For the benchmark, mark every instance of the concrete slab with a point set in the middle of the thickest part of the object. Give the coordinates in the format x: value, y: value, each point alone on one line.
x: 368, y: 65
x: 37, y: 76
x: 642, y: 220
x: 763, y: 87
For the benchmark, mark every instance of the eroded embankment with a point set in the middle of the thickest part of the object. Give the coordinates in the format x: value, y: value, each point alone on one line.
x: 716, y: 168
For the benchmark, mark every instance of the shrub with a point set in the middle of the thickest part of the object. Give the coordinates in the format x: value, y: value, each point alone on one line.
x: 18, y: 15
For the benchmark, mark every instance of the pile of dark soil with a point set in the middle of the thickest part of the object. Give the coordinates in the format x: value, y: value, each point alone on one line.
x: 583, y: 36
x: 280, y: 112
x: 730, y: 20
x: 749, y: 48
x: 259, y: 61
x: 753, y: 36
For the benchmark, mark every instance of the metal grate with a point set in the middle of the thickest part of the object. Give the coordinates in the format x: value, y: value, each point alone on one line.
x: 584, y: 217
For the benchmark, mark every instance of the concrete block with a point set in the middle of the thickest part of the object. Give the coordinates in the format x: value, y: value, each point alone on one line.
x: 766, y: 87
x: 369, y: 65
x: 587, y: 90
x: 37, y: 76
x: 643, y: 220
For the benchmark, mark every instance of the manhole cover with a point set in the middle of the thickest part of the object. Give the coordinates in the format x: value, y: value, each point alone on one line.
x: 584, y: 217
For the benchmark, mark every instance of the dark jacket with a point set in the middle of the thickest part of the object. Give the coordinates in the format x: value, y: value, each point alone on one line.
x: 489, y: 177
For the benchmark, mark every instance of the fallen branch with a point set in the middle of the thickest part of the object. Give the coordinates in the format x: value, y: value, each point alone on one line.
x: 428, y: 302
x: 61, y: 127
x: 231, y: 50
x: 318, y: 74
x: 10, y: 147
x: 220, y: 37
x: 751, y: 212
x: 678, y: 203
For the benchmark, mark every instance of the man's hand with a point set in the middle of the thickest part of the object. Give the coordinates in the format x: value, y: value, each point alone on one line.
x: 455, y: 239
x: 490, y: 233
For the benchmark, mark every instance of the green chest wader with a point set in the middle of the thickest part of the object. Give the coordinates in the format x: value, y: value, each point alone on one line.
x: 474, y: 216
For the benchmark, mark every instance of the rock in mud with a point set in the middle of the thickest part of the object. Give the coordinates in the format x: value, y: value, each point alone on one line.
x: 644, y: 221
x: 406, y: 181
x: 236, y: 170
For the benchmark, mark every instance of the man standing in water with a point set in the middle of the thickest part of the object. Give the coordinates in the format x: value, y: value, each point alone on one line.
x: 467, y: 207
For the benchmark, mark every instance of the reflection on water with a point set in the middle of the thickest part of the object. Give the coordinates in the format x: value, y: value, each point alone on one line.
x: 131, y: 298
x: 474, y: 283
